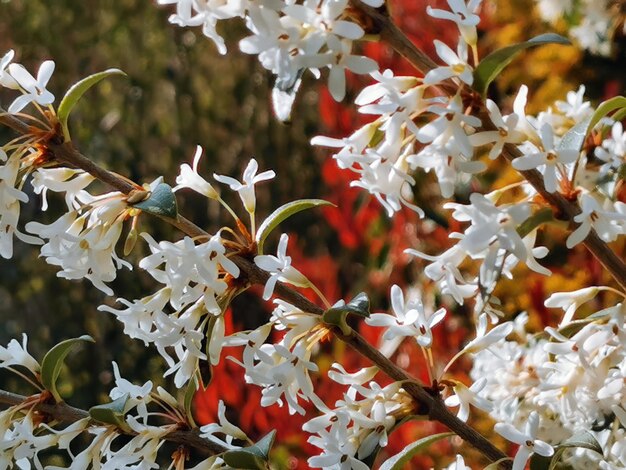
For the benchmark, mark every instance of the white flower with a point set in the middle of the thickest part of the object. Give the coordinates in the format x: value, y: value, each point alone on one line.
x: 483, y: 341
x: 526, y: 440
x: 246, y: 189
x: 448, y: 130
x: 22, y: 442
x: 575, y: 107
x: 70, y: 181
x: 225, y: 427
x: 280, y: 268
x: 444, y: 270
x: 388, y: 182
x: 34, y: 90
x: 489, y: 221
x: 339, y: 59
x: 457, y: 65
x: 5, y: 79
x: 506, y: 133
x: 189, y: 178
x: 138, y: 396
x: 410, y: 319
x: 570, y: 301
x: 464, y: 397
x: 613, y: 149
x: 10, y: 198
x: 192, y: 271
x: 609, y: 224
x: 464, y: 15
x: 177, y: 336
x: 16, y: 354
x: 84, y: 245
x: 548, y: 161
x: 283, y: 374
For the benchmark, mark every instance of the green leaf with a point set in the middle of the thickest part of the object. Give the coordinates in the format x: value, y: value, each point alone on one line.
x: 254, y: 457
x: 540, y: 217
x: 398, y: 461
x: 338, y: 313
x: 53, y: 361
x: 161, y: 202
x: 283, y: 212
x: 111, y: 413
x: 491, y: 66
x: 192, y: 388
x: 575, y: 137
x: 582, y: 439
x: 76, y: 92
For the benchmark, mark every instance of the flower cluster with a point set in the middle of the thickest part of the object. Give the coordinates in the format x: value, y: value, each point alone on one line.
x: 289, y: 37
x: 145, y: 417
x: 568, y: 382
x: 352, y: 430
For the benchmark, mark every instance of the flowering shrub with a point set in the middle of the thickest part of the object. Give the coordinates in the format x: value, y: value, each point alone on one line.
x: 429, y: 138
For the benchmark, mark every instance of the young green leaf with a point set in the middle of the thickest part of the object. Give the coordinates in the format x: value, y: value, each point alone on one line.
x: 283, y: 212
x: 75, y: 93
x: 254, y: 457
x: 111, y: 413
x: 53, y: 361
x: 575, y: 137
x: 161, y: 202
x: 491, y: 66
x: 582, y: 439
x: 338, y: 313
x: 398, y: 461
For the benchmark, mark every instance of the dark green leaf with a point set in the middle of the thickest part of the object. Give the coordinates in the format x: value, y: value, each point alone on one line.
x: 539, y: 462
x: 491, y: 66
x: 359, y: 305
x: 160, y: 202
x: 254, y: 457
x: 53, y: 361
x: 338, y: 313
x: 398, y: 461
x: 111, y: 413
x: 282, y: 213
x: 76, y: 92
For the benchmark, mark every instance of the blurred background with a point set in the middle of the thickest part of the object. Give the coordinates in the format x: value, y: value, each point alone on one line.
x: 180, y: 93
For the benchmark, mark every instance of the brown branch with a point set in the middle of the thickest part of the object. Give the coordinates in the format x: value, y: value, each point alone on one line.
x: 565, y: 208
x: 64, y: 413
